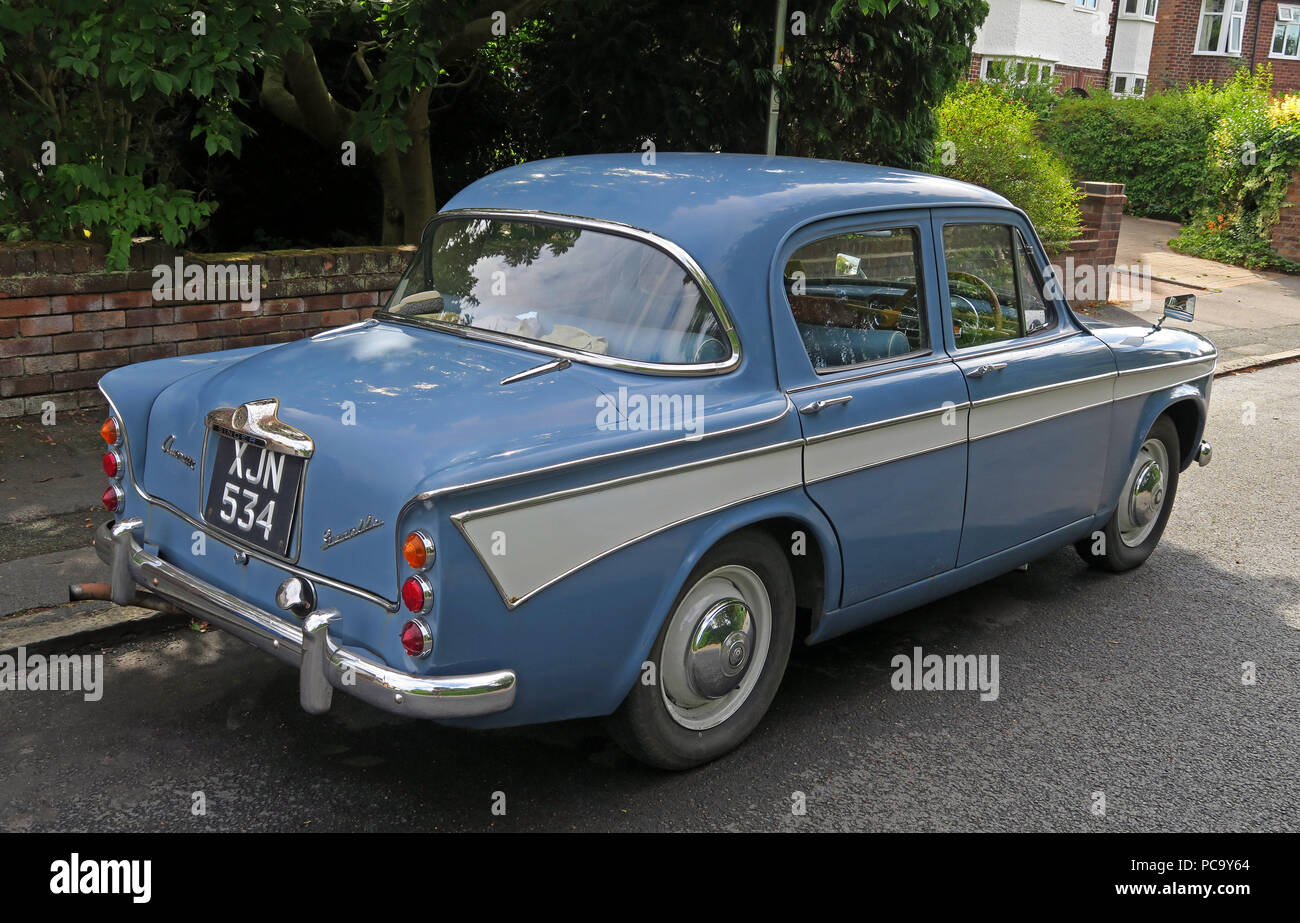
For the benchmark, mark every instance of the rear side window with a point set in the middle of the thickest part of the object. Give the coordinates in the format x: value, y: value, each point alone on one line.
x: 857, y: 297
x: 575, y: 287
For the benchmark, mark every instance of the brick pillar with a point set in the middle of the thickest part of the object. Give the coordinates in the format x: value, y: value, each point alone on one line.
x: 1285, y: 237
x: 1101, y: 210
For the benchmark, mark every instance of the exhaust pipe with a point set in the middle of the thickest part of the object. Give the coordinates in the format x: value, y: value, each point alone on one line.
x: 78, y: 592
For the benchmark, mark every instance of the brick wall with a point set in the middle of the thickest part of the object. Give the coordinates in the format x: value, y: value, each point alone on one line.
x: 1285, y: 237
x: 1085, y: 78
x: 64, y: 322
x: 1174, y: 65
x: 1102, y: 208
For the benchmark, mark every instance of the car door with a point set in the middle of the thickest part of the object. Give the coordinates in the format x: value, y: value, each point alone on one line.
x: 1040, y: 385
x: 883, y: 407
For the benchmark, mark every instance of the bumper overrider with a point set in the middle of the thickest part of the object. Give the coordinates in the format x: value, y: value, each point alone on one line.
x: 323, y: 665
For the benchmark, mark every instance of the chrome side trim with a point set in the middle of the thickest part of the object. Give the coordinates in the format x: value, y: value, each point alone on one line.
x: 1054, y: 386
x: 592, y: 459
x: 675, y: 252
x: 1213, y: 359
x: 615, y: 514
x: 959, y: 406
x: 1136, y: 382
x: 228, y: 541
x: 832, y: 455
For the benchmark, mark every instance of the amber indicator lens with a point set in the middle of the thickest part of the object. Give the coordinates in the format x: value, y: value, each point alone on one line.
x: 109, y: 431
x: 414, y: 551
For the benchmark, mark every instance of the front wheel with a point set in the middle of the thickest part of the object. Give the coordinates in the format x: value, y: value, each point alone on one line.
x: 1139, y: 520
x: 718, y: 659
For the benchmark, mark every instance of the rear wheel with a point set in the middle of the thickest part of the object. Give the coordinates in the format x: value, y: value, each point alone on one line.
x: 718, y: 659
x: 1144, y: 506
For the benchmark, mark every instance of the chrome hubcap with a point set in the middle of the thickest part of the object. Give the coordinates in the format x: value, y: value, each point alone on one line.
x: 1144, y: 493
x: 715, y: 647
x: 719, y: 651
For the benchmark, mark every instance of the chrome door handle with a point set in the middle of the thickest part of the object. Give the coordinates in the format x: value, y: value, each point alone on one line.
x: 985, y: 369
x: 819, y: 406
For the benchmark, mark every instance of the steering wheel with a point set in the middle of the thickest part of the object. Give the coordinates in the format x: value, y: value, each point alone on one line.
x: 988, y: 290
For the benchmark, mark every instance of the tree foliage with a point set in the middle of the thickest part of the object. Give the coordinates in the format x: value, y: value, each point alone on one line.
x: 989, y: 139
x: 858, y: 83
x: 94, y: 100
x: 429, y: 96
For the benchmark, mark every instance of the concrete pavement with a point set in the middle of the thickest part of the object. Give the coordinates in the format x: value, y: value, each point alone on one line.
x: 1251, y: 316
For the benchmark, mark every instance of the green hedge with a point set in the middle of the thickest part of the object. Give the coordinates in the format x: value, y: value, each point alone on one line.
x: 989, y: 139
x: 1156, y: 147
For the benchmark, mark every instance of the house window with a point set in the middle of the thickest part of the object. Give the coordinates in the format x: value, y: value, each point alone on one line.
x: 1286, y: 40
x: 1017, y: 70
x: 1086, y: 4
x: 1140, y: 8
x: 1128, y: 85
x: 1222, y: 22
x: 1286, y: 33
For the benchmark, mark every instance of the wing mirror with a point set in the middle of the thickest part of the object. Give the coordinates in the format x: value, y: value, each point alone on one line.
x: 1180, y: 307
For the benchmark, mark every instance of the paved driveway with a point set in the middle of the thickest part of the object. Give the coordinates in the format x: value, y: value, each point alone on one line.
x: 1249, y: 315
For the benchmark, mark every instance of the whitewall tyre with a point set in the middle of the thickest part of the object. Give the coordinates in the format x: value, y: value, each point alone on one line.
x: 1144, y: 506
x: 718, y: 659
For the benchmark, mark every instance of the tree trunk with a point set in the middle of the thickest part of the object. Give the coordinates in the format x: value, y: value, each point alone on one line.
x: 405, y: 178
x: 386, y: 166
x: 419, y: 201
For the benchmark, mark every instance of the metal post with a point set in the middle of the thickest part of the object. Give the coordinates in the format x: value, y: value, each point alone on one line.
x: 778, y: 56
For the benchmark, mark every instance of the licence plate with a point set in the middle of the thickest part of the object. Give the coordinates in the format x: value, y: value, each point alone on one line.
x: 253, y: 494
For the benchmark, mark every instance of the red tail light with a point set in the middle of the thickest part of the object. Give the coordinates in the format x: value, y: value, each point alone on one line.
x: 416, y: 639
x: 112, y: 498
x: 417, y: 595
x: 112, y: 464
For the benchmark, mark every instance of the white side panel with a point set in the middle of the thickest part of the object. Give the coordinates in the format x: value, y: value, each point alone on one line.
x: 852, y: 450
x: 546, y: 538
x: 999, y: 414
x: 1144, y: 381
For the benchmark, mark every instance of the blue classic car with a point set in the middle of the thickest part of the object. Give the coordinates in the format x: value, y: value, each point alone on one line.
x: 623, y: 432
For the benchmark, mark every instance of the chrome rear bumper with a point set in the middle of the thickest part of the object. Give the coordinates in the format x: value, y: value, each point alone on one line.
x: 323, y: 665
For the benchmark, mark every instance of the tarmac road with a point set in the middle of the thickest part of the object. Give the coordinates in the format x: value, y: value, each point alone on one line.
x: 1127, y: 685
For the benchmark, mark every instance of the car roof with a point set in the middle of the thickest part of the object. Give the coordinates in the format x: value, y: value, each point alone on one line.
x: 729, y: 211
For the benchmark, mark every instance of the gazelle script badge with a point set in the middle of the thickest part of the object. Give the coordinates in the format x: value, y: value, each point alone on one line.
x: 330, y: 539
